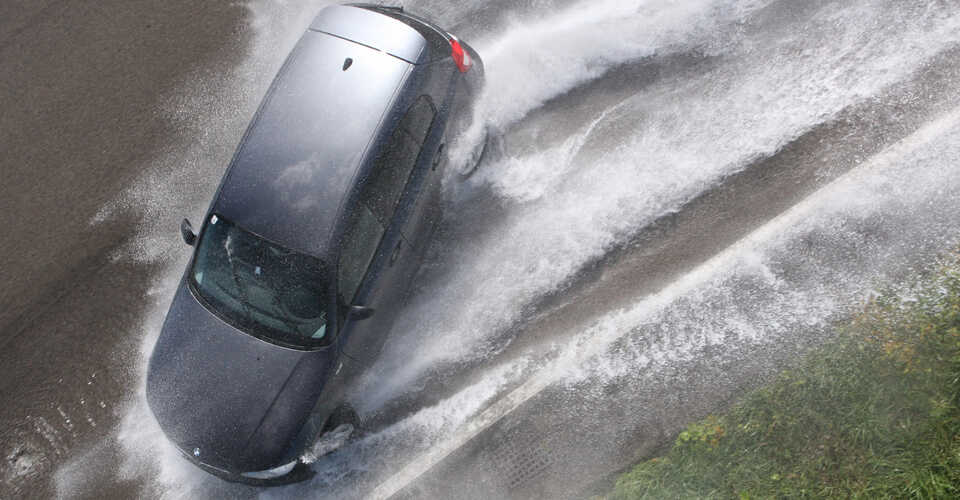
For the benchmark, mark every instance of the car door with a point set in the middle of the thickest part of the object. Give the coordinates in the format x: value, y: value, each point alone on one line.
x: 376, y: 263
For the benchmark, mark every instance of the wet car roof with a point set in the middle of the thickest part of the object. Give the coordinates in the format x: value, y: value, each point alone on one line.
x: 311, y: 134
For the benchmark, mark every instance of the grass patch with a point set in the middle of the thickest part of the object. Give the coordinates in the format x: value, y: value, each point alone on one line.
x: 874, y: 413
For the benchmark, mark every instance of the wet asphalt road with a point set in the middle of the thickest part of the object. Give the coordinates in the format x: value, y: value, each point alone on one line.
x: 93, y: 96
x: 81, y: 84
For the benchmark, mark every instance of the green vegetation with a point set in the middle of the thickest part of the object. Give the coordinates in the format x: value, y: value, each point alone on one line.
x: 875, y: 413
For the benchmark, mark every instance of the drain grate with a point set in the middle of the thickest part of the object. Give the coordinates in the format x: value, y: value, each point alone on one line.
x: 519, y: 459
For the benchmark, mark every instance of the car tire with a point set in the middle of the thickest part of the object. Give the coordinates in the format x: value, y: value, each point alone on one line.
x: 343, y: 414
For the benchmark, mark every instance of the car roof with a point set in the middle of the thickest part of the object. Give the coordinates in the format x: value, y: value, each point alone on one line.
x: 303, y: 150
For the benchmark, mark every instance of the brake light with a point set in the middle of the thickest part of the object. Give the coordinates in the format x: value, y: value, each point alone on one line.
x: 460, y: 56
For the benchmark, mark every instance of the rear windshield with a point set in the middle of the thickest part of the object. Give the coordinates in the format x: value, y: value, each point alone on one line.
x: 439, y: 45
x: 260, y: 287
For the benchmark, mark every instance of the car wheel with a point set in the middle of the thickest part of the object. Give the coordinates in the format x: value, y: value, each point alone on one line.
x: 343, y: 414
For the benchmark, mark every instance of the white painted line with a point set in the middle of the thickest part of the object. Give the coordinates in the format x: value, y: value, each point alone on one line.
x: 610, y: 330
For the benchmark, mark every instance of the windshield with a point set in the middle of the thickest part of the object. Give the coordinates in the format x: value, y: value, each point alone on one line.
x: 260, y: 287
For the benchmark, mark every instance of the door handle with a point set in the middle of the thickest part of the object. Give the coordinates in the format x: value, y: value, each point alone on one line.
x: 396, y: 252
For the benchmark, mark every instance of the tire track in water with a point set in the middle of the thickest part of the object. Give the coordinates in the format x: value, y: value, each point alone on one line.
x: 749, y: 198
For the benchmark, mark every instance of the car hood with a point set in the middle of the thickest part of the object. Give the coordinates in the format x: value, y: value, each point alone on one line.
x: 229, y: 399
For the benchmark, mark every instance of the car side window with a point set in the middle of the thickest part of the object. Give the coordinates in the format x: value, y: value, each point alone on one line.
x: 419, y: 119
x: 359, y: 246
x: 397, y: 159
x: 380, y: 194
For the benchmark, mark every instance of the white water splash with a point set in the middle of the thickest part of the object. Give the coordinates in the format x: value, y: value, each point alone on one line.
x: 741, y: 297
x: 767, y: 78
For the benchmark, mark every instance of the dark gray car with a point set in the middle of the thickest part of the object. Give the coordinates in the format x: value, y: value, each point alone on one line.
x: 309, y: 245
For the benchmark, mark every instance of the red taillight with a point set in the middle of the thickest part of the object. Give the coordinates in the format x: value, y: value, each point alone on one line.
x: 460, y: 56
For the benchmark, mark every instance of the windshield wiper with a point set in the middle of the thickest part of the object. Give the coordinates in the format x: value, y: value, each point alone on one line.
x: 277, y: 305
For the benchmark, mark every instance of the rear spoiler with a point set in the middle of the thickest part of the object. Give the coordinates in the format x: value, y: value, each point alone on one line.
x: 398, y: 8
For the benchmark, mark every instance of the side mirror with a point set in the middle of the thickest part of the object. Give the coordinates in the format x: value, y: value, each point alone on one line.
x: 359, y: 313
x: 186, y: 231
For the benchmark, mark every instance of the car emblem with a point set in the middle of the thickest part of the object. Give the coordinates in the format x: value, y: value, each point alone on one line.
x: 196, y: 452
